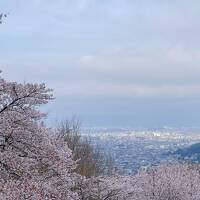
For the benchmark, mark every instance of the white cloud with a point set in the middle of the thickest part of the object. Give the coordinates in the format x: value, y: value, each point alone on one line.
x: 131, y: 48
x: 110, y: 90
x: 173, y: 64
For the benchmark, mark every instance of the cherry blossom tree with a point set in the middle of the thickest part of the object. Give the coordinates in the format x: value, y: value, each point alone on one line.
x: 31, y: 156
x: 165, y: 182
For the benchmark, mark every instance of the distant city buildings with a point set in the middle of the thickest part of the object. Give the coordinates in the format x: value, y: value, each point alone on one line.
x: 133, y: 150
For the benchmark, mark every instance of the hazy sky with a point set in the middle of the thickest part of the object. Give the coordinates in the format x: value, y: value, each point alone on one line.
x: 111, y: 62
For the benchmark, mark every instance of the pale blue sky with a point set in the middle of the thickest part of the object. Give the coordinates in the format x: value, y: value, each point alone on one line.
x: 111, y: 62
